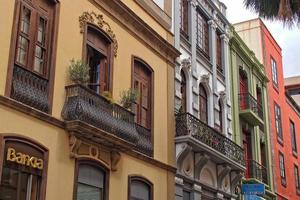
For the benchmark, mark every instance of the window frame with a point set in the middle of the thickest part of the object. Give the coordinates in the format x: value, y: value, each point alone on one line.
x: 33, y: 144
x: 95, y: 164
x: 184, y: 18
x: 110, y: 57
x: 202, y: 34
x: 279, y: 121
x: 293, y: 138
x: 204, y: 97
x: 142, y: 179
x: 183, y: 86
x: 274, y: 71
x: 282, y: 168
x: 51, y: 46
x: 297, y: 179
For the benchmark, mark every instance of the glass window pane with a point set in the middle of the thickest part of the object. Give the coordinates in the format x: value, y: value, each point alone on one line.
x: 86, y: 192
x: 22, y: 50
x: 23, y: 186
x: 34, y: 188
x: 90, y: 175
x: 41, y: 31
x: 39, y: 60
x: 9, y: 184
x: 139, y: 190
x: 25, y: 21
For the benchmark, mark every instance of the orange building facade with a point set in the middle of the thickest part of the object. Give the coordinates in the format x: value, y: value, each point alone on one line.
x: 283, y: 112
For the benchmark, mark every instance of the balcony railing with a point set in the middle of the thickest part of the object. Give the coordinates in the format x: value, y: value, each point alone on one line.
x: 83, y: 104
x: 188, y: 125
x: 257, y: 171
x: 30, y: 89
x: 247, y: 101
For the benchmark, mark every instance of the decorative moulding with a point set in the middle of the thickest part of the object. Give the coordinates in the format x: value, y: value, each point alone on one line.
x: 97, y: 20
x: 82, y: 149
x: 178, y: 77
x: 205, y: 79
x: 186, y: 63
x: 195, y: 90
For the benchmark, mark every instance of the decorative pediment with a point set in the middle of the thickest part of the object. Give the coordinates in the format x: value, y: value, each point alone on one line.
x: 98, y: 21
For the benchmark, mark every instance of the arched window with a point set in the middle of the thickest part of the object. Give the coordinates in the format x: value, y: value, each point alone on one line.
x: 243, y: 89
x: 91, y: 182
x: 203, y: 104
x: 21, y: 179
x: 142, y: 83
x: 140, y: 188
x: 98, y: 57
x: 221, y: 116
x: 183, y: 91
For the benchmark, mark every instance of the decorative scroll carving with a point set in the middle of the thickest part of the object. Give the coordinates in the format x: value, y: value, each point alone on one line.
x: 115, y: 158
x: 184, y: 151
x: 82, y: 149
x: 223, y: 173
x: 236, y: 181
x: 97, y: 20
x: 205, y: 79
x: 200, y: 164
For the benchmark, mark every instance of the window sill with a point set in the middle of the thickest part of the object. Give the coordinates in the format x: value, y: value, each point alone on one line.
x: 295, y: 154
x: 283, y: 182
x: 280, y: 140
x: 275, y: 87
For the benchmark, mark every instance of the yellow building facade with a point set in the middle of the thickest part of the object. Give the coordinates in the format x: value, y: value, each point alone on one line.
x: 60, y: 140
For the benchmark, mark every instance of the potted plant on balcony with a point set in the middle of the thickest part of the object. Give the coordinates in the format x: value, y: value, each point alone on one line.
x: 79, y: 72
x: 128, y: 98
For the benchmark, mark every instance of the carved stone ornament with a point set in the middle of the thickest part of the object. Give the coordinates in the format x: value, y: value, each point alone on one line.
x: 97, y: 20
x: 205, y: 79
x: 82, y: 149
x: 186, y: 63
x: 222, y: 95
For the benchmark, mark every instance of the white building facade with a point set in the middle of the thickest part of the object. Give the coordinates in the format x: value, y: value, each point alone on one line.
x: 209, y: 164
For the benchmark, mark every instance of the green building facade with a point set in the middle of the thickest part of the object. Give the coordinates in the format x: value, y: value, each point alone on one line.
x: 250, y: 114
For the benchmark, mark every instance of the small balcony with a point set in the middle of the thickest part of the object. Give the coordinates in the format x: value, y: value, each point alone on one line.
x: 250, y: 109
x: 206, y: 139
x: 30, y: 89
x: 256, y: 171
x: 92, y: 117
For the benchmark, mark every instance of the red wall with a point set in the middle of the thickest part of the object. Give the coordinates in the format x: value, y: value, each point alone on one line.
x: 287, y: 114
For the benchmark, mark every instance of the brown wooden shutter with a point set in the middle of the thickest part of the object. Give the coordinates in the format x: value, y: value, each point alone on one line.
x: 142, y: 83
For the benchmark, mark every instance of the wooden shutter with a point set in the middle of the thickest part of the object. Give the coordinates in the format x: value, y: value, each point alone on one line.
x: 142, y: 83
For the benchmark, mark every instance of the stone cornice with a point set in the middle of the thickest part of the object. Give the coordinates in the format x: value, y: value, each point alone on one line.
x: 139, y: 29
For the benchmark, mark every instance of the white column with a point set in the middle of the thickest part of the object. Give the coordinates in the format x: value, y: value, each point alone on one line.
x: 226, y: 65
x: 212, y: 54
x: 176, y: 21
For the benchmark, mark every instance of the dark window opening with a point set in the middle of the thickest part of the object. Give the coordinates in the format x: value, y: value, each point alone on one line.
x: 203, y: 104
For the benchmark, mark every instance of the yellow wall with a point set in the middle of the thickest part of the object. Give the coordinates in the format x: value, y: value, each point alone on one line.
x: 60, y: 165
x: 69, y: 45
x: 6, y: 19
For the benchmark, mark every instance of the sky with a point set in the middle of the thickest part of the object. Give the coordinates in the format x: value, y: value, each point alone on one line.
x: 288, y: 38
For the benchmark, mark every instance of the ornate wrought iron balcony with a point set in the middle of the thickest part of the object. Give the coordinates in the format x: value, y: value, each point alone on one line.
x: 257, y: 171
x: 30, y: 89
x: 85, y: 105
x: 250, y: 109
x: 188, y: 125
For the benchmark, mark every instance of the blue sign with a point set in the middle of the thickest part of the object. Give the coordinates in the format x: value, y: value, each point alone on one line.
x: 252, y: 197
x: 253, y: 189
